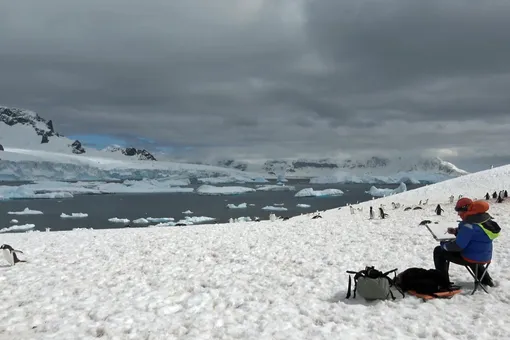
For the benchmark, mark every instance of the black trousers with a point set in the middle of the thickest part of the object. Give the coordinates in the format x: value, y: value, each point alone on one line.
x: 442, y: 259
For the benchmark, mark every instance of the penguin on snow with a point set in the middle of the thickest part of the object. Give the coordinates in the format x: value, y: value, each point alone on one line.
x: 10, y: 254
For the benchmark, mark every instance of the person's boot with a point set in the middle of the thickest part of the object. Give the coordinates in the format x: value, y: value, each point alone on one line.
x: 487, y: 280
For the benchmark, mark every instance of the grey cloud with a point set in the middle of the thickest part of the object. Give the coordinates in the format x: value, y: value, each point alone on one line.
x: 266, y: 78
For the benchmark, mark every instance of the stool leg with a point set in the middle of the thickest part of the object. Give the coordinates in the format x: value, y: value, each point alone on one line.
x: 483, y: 275
x: 477, y: 282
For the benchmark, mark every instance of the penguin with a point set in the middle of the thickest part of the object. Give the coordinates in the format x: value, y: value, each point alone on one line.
x: 371, y: 216
x: 382, y: 214
x: 10, y: 254
x: 487, y: 196
x: 439, y: 210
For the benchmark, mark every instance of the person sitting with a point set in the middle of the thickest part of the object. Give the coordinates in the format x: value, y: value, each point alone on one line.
x: 473, y: 242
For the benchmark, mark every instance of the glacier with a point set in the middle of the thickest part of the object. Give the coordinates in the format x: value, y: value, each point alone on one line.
x: 33, y: 151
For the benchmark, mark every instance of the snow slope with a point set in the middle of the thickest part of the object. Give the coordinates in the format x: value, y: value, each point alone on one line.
x: 370, y: 170
x: 266, y: 280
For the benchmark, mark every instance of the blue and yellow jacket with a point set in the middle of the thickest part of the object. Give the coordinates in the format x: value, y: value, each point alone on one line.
x: 474, y: 238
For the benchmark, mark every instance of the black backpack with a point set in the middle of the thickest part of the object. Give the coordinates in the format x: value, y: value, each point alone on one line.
x: 372, y: 284
x: 423, y: 281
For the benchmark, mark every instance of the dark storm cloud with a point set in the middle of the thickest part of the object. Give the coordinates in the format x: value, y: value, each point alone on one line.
x: 266, y: 78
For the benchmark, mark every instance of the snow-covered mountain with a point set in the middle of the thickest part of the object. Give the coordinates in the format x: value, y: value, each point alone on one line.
x: 373, y: 170
x: 34, y: 150
x: 21, y: 125
x: 30, y: 149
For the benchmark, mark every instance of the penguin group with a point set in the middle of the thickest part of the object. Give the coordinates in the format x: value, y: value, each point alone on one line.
x: 499, y: 197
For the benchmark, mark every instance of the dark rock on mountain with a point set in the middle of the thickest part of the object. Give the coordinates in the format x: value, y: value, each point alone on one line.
x: 77, y: 147
x: 14, y: 116
x: 230, y: 163
x: 145, y: 155
x: 141, y: 154
x: 129, y: 151
x: 45, y: 129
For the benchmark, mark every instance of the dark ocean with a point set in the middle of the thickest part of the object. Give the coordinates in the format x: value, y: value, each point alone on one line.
x: 100, y: 208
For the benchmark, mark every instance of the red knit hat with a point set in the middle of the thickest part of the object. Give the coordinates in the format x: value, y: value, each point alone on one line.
x: 463, y: 204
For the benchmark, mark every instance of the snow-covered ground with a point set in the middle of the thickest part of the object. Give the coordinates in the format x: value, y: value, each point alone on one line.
x: 265, y: 280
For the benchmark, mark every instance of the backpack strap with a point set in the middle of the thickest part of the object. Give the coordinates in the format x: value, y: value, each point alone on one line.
x: 348, y: 288
x: 390, y: 271
x: 392, y: 296
x: 357, y: 275
x: 392, y: 282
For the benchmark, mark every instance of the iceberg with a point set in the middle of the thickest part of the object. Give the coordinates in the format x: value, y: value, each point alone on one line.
x: 375, y: 192
x: 23, y: 227
x: 276, y: 188
x: 240, y: 206
x: 74, y: 215
x: 301, y: 205
x: 26, y: 211
x: 310, y: 192
x: 273, y: 208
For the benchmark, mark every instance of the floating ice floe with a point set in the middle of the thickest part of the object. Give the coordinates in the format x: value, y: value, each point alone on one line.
x: 26, y: 211
x: 119, y: 220
x: 22, y: 227
x: 74, y: 215
x: 310, y: 192
x: 240, y: 206
x: 302, y: 205
x: 376, y: 192
x: 272, y: 208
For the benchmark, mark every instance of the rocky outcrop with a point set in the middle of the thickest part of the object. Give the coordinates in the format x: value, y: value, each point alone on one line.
x: 1, y: 147
x: 45, y: 129
x: 230, y: 163
x: 77, y: 148
x: 141, y: 154
x: 14, y: 116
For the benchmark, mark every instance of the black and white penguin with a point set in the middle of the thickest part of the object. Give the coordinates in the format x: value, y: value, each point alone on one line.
x: 10, y: 254
x: 382, y: 214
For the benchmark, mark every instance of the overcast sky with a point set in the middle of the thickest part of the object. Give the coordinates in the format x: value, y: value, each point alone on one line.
x: 275, y: 78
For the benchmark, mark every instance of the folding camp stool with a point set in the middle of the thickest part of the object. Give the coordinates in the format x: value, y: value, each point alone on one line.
x: 475, y: 274
x: 478, y: 282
